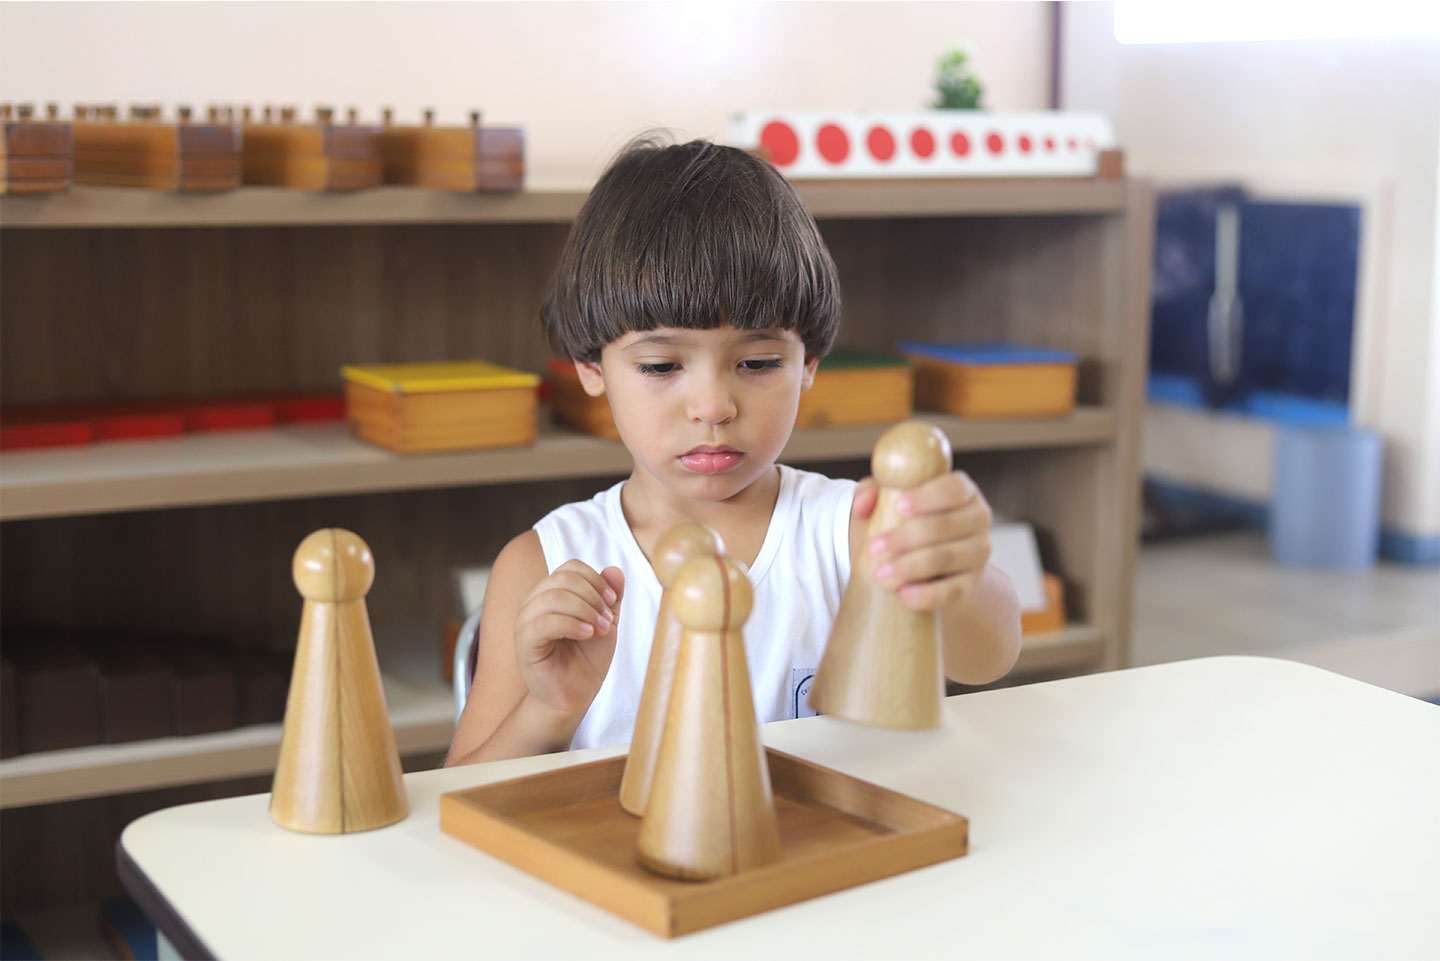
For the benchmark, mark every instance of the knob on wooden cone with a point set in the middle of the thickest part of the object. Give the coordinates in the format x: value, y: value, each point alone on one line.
x: 882, y: 665
x: 339, y: 771
x: 679, y: 544
x: 710, y: 812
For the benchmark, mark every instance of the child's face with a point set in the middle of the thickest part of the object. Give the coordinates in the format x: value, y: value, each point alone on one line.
x: 705, y: 412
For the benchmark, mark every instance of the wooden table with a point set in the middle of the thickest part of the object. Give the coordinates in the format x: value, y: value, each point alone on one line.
x: 1233, y: 807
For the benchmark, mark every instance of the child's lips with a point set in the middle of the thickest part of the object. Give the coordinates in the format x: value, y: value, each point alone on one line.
x: 711, y: 460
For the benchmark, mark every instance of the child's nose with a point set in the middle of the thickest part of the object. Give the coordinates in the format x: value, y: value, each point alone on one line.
x: 712, y: 403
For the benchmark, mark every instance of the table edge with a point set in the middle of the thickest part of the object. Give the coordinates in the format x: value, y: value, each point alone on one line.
x: 157, y: 908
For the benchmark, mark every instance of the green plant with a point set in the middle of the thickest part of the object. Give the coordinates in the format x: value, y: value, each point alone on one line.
x: 959, y: 89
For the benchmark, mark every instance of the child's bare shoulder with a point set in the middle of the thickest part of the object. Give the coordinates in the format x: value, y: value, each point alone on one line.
x: 519, y: 566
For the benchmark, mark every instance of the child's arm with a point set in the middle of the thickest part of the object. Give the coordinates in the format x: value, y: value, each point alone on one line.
x: 545, y: 644
x: 937, y: 559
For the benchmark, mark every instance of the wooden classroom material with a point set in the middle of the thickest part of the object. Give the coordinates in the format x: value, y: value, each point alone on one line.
x: 323, y: 155
x: 467, y: 158
x: 993, y: 380
x: 147, y: 150
x: 415, y: 408
x: 36, y: 156
x: 338, y: 771
x: 676, y: 546
x: 882, y: 664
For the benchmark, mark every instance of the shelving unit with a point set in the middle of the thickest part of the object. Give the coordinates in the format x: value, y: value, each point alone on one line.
x: 122, y: 294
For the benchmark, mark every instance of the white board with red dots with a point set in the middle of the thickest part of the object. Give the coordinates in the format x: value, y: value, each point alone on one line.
x: 926, y: 143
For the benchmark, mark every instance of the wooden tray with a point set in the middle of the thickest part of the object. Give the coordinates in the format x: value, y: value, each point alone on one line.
x: 567, y: 827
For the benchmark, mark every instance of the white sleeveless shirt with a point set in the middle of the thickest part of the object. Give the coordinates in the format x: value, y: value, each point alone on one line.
x: 798, y: 577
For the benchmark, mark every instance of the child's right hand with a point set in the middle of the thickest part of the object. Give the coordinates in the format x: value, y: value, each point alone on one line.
x: 565, y: 636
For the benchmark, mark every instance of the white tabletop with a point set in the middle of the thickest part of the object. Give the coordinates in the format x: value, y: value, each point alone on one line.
x: 1230, y: 807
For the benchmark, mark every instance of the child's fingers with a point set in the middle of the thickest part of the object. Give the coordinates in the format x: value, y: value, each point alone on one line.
x: 933, y: 595
x: 969, y: 521
x: 936, y: 561
x: 561, y: 601
x: 539, y: 636
x: 867, y: 492
x: 583, y: 582
x: 944, y: 493
x: 614, y: 577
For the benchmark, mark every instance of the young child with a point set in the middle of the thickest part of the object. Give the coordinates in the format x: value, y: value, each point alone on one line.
x: 695, y: 293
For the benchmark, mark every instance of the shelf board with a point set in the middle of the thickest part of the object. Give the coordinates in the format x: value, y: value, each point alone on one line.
x: 323, y: 460
x: 87, y: 206
x: 423, y: 716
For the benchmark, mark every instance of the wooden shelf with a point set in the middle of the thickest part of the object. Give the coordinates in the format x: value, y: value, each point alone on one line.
x: 279, y: 206
x: 423, y: 716
x: 320, y: 460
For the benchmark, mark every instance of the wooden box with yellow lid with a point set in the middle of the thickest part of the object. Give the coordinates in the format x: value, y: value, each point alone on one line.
x: 412, y: 408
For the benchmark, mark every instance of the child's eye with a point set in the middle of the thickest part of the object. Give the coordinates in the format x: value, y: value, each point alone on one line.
x: 657, y: 370
x: 767, y: 364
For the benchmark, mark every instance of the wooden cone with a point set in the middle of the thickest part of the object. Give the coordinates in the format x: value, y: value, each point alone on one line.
x: 882, y: 664
x: 339, y: 771
x: 676, y: 546
x: 710, y: 811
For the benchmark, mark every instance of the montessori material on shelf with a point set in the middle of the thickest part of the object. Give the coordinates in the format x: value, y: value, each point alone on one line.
x: 992, y: 379
x: 320, y: 155
x: 36, y: 155
x: 339, y: 770
x: 882, y: 664
x: 147, y: 150
x: 466, y: 158
x: 462, y: 405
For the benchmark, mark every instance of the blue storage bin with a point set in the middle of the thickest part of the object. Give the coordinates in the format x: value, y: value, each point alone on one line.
x: 1325, y: 510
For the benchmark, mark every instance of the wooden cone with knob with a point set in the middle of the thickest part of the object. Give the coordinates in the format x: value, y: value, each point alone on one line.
x: 676, y: 546
x: 883, y: 663
x: 339, y: 771
x: 710, y: 812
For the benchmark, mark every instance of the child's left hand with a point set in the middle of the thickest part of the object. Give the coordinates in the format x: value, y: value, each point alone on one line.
x: 937, y: 552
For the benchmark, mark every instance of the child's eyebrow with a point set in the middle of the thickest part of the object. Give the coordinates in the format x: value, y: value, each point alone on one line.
x: 655, y: 338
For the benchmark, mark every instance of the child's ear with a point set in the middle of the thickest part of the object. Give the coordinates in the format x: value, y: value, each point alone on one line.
x: 590, y: 378
x: 807, y: 380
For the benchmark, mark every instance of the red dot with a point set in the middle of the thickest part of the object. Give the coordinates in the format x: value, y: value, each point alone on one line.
x: 832, y: 143
x: 995, y: 143
x: 960, y: 144
x: 1050, y: 144
x: 922, y: 142
x: 1073, y: 144
x: 1024, y: 143
x: 881, y: 143
x: 779, y: 142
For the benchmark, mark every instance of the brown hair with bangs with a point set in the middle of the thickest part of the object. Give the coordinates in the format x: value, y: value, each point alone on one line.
x: 692, y: 235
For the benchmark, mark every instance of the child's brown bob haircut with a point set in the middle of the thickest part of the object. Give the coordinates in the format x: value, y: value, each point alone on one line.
x: 690, y: 235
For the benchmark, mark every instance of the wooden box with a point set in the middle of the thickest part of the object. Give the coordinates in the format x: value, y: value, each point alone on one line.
x: 567, y: 828
x: 149, y: 152
x: 857, y: 387
x: 1052, y: 616
x: 454, y: 158
x: 411, y: 408
x: 992, y: 380
x: 136, y: 689
x: 573, y: 407
x: 36, y: 156
x: 313, y: 156
x: 57, y: 693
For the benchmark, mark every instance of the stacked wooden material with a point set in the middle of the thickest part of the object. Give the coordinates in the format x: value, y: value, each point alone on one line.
x: 323, y: 155
x: 573, y: 407
x: 467, y: 158
x: 992, y: 379
x: 410, y: 408
x: 858, y: 387
x: 36, y: 156
x: 69, y: 425
x: 146, y: 150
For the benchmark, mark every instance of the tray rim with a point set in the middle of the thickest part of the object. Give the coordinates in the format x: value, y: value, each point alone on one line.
x: 670, y: 908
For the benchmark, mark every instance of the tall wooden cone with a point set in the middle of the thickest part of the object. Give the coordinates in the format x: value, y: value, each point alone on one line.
x: 339, y: 771
x: 676, y: 546
x: 882, y: 664
x: 710, y: 811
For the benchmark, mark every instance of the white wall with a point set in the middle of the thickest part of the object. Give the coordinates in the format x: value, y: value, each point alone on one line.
x: 1357, y: 120
x: 580, y: 77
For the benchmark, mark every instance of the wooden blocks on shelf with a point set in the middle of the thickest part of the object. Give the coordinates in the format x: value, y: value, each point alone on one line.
x: 573, y: 407
x: 323, y: 155
x: 992, y: 380
x: 858, y: 387
x: 146, y: 150
x: 414, y: 408
x: 36, y: 156
x: 465, y: 159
